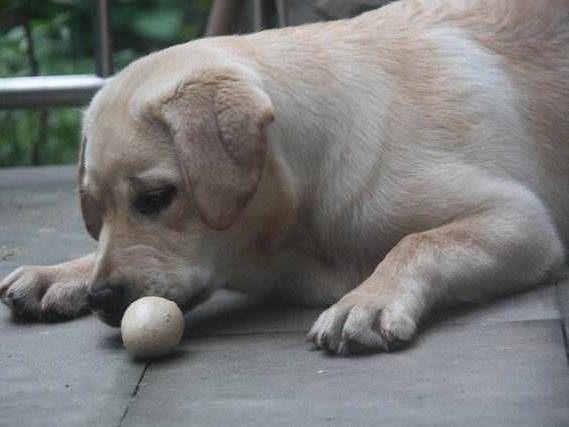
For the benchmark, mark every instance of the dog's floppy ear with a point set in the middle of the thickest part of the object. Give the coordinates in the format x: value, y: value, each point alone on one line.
x: 219, y: 132
x: 91, y: 216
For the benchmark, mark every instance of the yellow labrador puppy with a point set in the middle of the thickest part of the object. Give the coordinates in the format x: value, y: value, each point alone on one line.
x: 411, y: 157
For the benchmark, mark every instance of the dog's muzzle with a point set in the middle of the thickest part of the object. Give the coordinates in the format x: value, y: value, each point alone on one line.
x: 108, y: 303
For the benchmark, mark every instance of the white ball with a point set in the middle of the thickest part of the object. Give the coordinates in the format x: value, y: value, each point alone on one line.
x: 151, y: 327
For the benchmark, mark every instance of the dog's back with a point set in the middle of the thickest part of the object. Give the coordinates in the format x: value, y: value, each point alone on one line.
x: 531, y: 40
x: 487, y: 79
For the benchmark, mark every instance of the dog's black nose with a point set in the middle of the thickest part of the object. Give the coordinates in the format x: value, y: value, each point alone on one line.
x: 108, y: 303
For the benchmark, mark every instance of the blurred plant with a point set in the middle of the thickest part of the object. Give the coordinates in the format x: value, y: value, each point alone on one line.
x: 49, y: 37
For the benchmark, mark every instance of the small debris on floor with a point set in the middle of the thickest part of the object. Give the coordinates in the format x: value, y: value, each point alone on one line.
x: 7, y: 253
x: 46, y: 230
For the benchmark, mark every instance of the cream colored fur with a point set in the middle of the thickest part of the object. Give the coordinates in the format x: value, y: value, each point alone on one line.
x: 411, y: 157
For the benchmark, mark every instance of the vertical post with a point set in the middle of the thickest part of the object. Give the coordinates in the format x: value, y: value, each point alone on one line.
x: 264, y: 14
x: 258, y: 14
x: 224, y: 17
x: 281, y: 13
x: 103, y: 52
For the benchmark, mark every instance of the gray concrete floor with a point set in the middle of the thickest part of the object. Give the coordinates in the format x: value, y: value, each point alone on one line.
x: 241, y: 363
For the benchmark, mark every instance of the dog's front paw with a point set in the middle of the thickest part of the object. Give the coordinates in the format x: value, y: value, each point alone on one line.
x: 358, y: 324
x: 45, y: 293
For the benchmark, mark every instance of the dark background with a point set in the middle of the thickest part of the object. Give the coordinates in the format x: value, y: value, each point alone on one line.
x: 55, y: 37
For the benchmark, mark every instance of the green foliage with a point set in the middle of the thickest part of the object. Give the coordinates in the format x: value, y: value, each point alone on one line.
x: 63, y: 39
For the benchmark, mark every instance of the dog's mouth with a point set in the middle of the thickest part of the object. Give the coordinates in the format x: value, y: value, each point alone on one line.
x: 114, y: 320
x: 108, y: 304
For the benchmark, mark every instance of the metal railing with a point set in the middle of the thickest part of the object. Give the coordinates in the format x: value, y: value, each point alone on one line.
x: 71, y: 90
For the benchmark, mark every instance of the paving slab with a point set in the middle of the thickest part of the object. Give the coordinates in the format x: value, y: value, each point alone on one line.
x: 511, y: 373
x: 40, y: 221
x: 243, y: 361
x: 64, y: 374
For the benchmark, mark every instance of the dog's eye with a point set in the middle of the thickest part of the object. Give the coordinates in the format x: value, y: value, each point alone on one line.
x: 155, y: 201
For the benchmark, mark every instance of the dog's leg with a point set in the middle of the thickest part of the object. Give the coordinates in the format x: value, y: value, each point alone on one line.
x: 48, y: 292
x: 509, y: 246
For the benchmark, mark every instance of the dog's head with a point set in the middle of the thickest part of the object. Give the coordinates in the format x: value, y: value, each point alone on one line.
x: 168, y: 169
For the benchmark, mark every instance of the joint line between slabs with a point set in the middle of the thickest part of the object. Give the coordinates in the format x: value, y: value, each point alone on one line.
x: 133, y: 394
